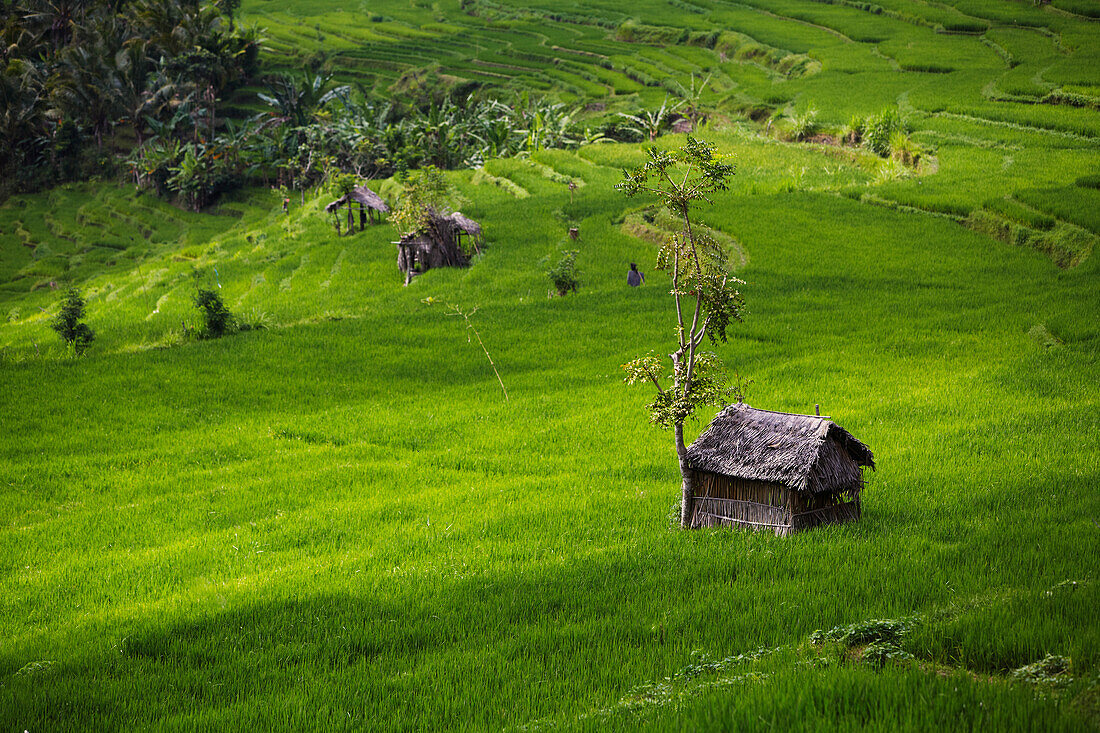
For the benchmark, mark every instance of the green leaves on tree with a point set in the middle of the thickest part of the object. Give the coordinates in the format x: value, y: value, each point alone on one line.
x: 67, y: 323
x: 426, y: 193
x: 669, y: 407
x: 217, y: 320
x: 699, y: 269
x: 564, y: 275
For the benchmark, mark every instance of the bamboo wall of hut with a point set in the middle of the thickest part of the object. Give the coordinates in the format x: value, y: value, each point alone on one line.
x: 767, y: 506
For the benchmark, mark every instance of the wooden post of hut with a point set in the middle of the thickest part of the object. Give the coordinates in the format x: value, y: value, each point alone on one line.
x: 776, y: 471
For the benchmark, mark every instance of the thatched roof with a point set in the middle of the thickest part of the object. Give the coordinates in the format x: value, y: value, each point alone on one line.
x: 802, y: 452
x: 466, y: 224
x: 360, y: 195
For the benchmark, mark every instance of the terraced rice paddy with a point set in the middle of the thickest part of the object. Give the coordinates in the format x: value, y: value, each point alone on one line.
x: 339, y: 521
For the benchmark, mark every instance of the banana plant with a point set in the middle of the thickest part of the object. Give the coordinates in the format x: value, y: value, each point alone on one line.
x: 651, y: 123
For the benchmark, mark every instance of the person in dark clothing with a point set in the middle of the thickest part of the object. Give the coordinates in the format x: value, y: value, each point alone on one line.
x: 634, y: 278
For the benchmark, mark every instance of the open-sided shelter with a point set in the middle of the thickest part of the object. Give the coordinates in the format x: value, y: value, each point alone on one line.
x: 775, y: 471
x: 367, y: 201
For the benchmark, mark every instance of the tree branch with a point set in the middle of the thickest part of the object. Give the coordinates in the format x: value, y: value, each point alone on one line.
x: 676, y: 290
x: 702, y: 331
x: 656, y: 383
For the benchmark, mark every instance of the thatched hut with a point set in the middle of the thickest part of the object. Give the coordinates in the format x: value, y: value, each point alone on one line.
x: 367, y: 201
x: 440, y: 244
x: 775, y: 471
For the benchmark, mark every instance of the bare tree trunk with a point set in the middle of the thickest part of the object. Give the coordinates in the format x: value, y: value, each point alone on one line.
x: 688, y: 486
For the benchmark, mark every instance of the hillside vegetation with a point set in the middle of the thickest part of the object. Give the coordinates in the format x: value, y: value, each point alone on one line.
x: 338, y: 520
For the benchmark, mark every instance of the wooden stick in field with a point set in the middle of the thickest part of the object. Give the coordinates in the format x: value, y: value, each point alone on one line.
x: 470, y: 327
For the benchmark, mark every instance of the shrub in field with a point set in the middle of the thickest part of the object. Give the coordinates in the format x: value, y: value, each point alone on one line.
x: 879, y: 654
x: 254, y: 320
x: 564, y: 275
x: 1050, y: 670
x: 904, y: 150
x: 875, y: 642
x: 852, y: 133
x: 804, y: 124
x: 879, y: 128
x: 217, y: 320
x: 698, y: 264
x: 67, y: 323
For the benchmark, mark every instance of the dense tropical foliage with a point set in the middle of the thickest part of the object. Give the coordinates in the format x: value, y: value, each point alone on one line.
x: 81, y: 79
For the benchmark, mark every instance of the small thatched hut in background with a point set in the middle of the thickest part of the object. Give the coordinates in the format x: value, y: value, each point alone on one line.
x: 440, y: 244
x: 367, y: 201
x: 775, y: 471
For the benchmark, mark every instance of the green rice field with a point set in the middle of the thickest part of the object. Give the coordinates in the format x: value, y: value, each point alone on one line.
x: 340, y: 521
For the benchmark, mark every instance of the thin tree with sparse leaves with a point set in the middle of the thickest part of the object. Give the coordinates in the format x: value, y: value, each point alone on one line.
x: 703, y: 289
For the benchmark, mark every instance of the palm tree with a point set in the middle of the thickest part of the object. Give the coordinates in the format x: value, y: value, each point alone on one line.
x: 85, y: 86
x: 297, y: 101
x: 141, y: 90
x: 22, y: 116
x: 53, y: 22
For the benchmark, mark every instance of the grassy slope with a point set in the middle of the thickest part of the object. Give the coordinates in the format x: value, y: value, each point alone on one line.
x: 340, y: 521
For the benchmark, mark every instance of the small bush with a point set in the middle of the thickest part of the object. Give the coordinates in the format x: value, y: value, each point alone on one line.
x: 874, y: 631
x: 256, y: 320
x: 904, y: 150
x: 68, y: 326
x: 1050, y: 670
x: 804, y: 125
x: 217, y: 320
x: 852, y: 133
x: 879, y: 654
x: 878, y: 129
x: 564, y: 275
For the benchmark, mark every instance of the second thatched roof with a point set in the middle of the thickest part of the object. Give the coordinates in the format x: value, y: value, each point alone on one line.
x: 802, y: 452
x: 466, y: 224
x: 360, y: 195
